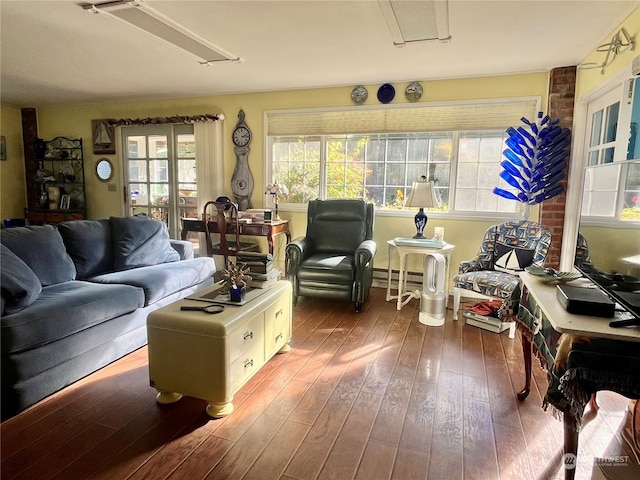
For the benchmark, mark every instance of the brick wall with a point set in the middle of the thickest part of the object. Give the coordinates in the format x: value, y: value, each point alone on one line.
x: 562, y: 86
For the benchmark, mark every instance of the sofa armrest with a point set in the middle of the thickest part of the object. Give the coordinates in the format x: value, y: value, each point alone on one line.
x: 365, y: 253
x: 183, y: 247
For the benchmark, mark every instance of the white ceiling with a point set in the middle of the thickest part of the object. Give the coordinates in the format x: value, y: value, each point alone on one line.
x: 55, y: 52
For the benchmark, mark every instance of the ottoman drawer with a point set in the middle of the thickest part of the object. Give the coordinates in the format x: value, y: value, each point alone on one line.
x: 246, y: 365
x: 277, y: 326
x: 246, y: 337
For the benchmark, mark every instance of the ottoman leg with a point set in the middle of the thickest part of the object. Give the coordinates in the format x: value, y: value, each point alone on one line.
x: 165, y: 398
x: 217, y: 410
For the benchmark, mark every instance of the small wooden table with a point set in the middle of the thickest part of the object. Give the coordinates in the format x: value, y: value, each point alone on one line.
x: 254, y: 229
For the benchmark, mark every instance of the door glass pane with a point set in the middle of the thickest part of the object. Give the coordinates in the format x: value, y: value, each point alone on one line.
x: 158, y: 146
x: 136, y: 147
x: 138, y: 170
x: 612, y: 122
x: 159, y: 170
x: 596, y: 128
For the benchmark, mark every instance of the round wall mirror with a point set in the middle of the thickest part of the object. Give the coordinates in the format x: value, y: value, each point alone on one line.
x: 104, y: 169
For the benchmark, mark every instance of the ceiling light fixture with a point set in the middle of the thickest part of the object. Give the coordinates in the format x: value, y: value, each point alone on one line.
x: 145, y: 19
x: 416, y: 21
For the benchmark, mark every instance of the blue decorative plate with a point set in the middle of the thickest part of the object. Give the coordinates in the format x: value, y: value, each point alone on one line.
x: 386, y: 93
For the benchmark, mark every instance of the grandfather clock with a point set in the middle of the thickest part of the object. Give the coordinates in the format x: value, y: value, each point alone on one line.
x: 242, y: 180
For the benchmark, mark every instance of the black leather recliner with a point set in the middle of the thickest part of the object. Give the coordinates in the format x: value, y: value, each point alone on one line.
x: 335, y: 258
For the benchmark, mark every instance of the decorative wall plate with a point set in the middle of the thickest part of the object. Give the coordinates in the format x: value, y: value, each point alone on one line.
x: 359, y: 95
x: 413, y: 92
x: 386, y: 93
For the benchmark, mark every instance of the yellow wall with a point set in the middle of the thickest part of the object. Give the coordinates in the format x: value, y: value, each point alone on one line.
x: 75, y: 122
x: 13, y: 196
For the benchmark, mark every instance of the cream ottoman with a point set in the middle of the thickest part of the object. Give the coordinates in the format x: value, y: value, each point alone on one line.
x: 212, y: 356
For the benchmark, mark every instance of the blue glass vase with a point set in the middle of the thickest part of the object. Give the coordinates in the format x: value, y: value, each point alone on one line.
x: 237, y: 294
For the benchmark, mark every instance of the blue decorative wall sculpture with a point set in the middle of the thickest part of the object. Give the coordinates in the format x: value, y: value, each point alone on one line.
x: 535, y: 160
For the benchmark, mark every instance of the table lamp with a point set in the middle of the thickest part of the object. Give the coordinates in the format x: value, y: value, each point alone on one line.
x: 423, y: 195
x: 276, y: 189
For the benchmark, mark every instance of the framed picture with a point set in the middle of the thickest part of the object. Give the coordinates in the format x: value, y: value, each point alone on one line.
x: 103, y: 137
x: 3, y: 148
x: 65, y: 201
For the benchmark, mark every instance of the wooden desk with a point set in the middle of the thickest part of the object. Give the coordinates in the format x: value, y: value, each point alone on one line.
x: 573, y: 363
x: 254, y: 229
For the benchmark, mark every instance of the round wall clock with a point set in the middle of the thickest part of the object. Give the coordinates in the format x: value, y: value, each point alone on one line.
x: 241, y: 136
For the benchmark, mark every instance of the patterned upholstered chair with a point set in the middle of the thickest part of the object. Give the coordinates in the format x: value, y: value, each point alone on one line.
x: 506, y: 249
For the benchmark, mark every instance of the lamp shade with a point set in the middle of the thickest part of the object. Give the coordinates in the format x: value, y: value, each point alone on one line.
x: 423, y: 195
x: 277, y: 189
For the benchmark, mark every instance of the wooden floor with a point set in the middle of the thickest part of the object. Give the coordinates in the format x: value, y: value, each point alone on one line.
x: 375, y: 395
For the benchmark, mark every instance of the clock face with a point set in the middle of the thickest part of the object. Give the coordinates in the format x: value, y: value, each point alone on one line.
x: 241, y: 136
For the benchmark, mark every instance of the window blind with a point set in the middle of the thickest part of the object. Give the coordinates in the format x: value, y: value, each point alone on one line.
x: 480, y: 115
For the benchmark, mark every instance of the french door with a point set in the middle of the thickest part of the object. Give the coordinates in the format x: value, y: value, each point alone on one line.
x: 160, y: 173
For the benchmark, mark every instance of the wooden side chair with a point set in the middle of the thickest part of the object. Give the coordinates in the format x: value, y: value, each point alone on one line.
x: 225, y: 216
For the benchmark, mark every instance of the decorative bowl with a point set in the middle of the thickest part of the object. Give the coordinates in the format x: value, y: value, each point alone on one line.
x: 549, y: 275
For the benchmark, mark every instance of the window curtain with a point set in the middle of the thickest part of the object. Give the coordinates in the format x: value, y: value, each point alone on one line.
x: 209, y: 160
x: 426, y: 117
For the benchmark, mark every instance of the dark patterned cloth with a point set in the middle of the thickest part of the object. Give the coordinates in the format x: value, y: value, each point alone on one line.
x: 576, y: 366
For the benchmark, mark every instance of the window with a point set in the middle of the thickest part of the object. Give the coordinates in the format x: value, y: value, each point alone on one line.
x: 160, y: 171
x: 612, y: 192
x: 332, y: 154
x: 603, y: 122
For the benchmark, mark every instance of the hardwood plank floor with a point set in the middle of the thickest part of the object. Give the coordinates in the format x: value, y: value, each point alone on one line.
x: 375, y: 395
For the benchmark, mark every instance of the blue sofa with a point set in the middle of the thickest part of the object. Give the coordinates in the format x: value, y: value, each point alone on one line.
x: 75, y: 297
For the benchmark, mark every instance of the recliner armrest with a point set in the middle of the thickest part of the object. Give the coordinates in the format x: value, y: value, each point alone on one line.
x: 365, y: 253
x: 296, y: 251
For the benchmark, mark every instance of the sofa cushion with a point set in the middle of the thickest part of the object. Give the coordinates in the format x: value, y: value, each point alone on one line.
x: 140, y: 241
x: 90, y: 245
x: 64, y: 309
x: 158, y: 281
x: 42, y: 249
x: 20, y: 286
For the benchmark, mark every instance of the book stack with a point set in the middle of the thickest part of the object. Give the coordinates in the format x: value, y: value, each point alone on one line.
x: 487, y: 322
x: 261, y: 270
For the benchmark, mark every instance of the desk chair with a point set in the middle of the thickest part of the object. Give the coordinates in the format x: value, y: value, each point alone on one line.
x: 225, y: 214
x: 492, y: 274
